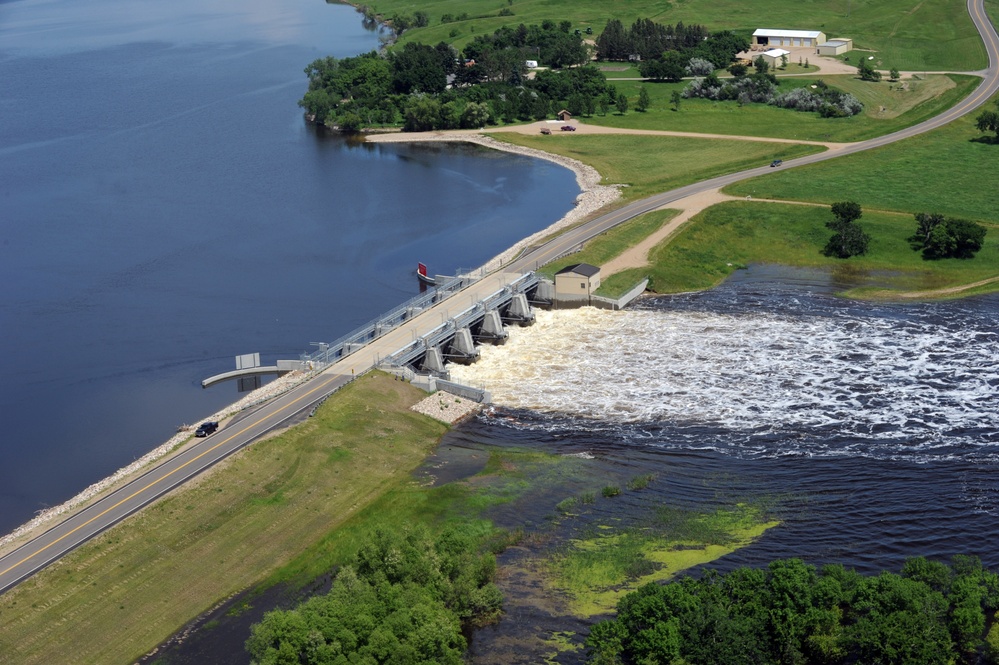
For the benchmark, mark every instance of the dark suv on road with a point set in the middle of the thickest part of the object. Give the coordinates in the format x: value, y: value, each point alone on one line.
x: 206, y: 428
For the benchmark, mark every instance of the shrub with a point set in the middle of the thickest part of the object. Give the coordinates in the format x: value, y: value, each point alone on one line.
x: 699, y: 67
x: 610, y: 490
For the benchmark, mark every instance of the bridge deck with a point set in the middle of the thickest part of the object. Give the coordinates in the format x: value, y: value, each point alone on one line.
x: 375, y: 351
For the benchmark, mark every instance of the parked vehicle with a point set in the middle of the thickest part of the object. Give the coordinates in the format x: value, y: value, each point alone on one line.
x: 206, y: 428
x: 776, y: 162
x: 545, y: 130
x: 568, y: 128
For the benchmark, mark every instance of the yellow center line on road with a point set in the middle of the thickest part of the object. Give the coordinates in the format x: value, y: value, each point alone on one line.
x: 161, y: 478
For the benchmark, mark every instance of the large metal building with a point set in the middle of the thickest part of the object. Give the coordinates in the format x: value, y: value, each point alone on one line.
x: 793, y: 38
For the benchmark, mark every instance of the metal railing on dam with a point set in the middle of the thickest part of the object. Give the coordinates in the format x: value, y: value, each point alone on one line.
x: 463, y: 319
x: 356, y: 339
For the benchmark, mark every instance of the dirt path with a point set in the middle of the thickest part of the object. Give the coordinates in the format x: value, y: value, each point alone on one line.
x: 937, y: 293
x: 638, y: 255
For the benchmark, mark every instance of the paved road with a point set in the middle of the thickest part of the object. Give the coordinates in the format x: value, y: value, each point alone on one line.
x: 203, y: 453
x: 80, y: 527
x: 566, y: 242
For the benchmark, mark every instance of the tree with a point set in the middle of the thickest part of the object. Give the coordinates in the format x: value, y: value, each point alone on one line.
x: 613, y: 42
x: 671, y: 67
x: 761, y: 65
x: 783, y: 61
x: 622, y: 104
x: 675, y: 100
x: 848, y: 238
x: 988, y: 121
x: 417, y: 68
x: 866, y: 71
x: 846, y: 211
x: 604, y: 104
x: 738, y: 70
x: 941, y: 238
x: 643, y: 100
x: 893, y: 74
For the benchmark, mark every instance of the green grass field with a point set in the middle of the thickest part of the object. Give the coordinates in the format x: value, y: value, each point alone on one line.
x: 652, y: 164
x: 920, y: 100
x: 728, y: 236
x: 610, y: 244
x: 949, y: 170
x: 911, y: 35
x: 118, y: 596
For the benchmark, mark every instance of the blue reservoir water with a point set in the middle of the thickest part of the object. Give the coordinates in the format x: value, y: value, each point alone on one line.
x: 164, y: 207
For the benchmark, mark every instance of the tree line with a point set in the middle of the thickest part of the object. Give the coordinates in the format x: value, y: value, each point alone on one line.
x: 436, y: 87
x: 792, y: 613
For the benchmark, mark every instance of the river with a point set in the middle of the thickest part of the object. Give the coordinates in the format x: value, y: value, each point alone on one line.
x: 164, y: 207
x: 871, y: 430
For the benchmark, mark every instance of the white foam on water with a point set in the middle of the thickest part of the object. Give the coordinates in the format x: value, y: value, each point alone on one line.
x: 914, y: 383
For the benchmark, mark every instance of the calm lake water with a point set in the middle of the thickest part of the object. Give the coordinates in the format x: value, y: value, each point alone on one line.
x: 164, y: 207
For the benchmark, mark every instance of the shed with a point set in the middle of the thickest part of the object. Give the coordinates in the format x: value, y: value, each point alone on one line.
x: 564, y: 115
x: 836, y: 46
x: 531, y: 64
x: 576, y: 283
x: 773, y: 57
x: 792, y: 38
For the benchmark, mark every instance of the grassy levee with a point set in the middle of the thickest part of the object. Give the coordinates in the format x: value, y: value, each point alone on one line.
x: 949, y: 171
x: 652, y: 164
x: 731, y: 235
x: 118, y: 596
x: 888, y: 107
x: 931, y: 35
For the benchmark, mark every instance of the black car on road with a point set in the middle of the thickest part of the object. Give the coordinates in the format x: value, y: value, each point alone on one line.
x: 777, y: 162
x: 206, y: 428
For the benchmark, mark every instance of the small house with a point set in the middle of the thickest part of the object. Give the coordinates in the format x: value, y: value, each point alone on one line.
x: 531, y: 64
x: 837, y: 46
x: 564, y: 115
x: 575, y: 284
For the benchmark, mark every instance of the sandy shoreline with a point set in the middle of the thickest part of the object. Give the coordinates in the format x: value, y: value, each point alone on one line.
x: 592, y: 197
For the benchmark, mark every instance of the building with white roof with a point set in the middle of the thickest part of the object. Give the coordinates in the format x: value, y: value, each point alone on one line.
x: 793, y: 38
x: 773, y: 57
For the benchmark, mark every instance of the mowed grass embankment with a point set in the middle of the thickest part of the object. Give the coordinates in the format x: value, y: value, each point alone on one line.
x: 652, y: 164
x: 950, y: 170
x: 732, y: 235
x: 888, y: 107
x: 611, y: 244
x: 912, y: 36
x: 120, y: 595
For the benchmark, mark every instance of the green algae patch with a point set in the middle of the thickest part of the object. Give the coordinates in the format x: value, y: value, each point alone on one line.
x: 595, y: 572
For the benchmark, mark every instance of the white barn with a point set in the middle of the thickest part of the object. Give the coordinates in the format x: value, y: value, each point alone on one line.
x: 793, y: 38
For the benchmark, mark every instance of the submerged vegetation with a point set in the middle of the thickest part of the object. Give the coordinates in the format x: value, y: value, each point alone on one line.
x: 595, y: 570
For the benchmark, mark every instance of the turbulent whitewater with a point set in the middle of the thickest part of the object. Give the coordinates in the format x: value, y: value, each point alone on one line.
x: 760, y: 375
